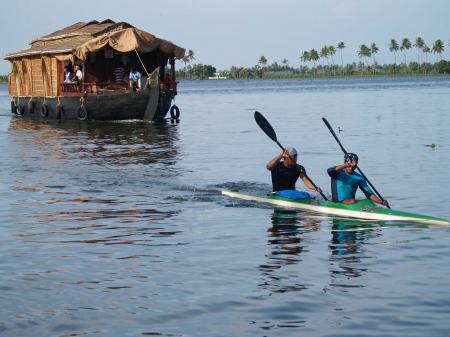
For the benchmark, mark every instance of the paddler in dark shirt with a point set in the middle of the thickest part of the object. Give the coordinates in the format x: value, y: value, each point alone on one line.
x: 285, y: 172
x: 345, y: 181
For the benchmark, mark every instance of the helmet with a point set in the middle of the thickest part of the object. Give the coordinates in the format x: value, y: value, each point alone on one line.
x: 350, y: 157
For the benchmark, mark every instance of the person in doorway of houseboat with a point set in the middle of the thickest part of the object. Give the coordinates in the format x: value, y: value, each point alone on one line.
x: 119, y: 73
x: 135, y: 79
x: 67, y: 75
x: 78, y: 74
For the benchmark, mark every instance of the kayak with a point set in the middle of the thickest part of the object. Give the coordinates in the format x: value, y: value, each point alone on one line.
x: 362, y: 209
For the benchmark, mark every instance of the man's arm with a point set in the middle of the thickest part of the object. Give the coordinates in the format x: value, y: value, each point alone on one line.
x: 271, y: 164
x: 375, y: 198
x: 332, y: 171
x: 308, y: 183
x: 370, y: 195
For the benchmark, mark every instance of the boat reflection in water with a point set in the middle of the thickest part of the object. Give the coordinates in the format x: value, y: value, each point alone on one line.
x: 100, y: 182
x: 287, y: 243
x: 347, y: 240
x: 116, y: 143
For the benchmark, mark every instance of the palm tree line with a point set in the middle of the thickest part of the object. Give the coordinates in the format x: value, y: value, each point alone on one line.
x: 369, y: 51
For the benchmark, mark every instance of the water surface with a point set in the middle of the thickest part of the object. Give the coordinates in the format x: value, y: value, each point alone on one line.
x: 119, y: 229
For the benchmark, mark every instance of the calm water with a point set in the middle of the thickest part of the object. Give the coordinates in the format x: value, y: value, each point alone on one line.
x: 119, y: 229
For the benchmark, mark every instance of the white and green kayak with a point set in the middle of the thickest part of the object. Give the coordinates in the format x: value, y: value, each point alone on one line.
x: 362, y: 209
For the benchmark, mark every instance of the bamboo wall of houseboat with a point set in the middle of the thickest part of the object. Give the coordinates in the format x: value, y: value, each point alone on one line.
x: 35, y: 76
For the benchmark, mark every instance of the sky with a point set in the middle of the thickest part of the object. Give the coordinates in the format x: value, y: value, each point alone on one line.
x: 238, y: 32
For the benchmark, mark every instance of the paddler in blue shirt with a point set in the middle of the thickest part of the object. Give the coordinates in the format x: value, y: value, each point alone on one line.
x: 285, y: 172
x: 345, y: 181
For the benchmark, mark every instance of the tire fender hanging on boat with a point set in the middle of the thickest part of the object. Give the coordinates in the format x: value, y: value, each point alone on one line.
x: 82, y: 113
x: 174, y: 113
x: 44, y: 110
x: 59, y: 110
x: 19, y: 110
x: 31, y: 106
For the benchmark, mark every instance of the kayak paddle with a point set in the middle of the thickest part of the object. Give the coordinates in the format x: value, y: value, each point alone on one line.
x: 345, y: 152
x: 269, y: 131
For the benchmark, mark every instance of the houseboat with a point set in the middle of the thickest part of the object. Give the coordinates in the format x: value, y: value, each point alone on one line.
x: 95, y: 71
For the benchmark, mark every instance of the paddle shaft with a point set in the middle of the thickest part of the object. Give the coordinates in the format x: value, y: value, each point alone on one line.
x: 345, y: 152
x: 264, y: 124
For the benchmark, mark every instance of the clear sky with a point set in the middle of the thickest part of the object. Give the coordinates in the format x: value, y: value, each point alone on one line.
x: 237, y: 32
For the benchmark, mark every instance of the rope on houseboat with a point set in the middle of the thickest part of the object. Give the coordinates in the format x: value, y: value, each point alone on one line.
x: 150, y: 80
x: 148, y: 75
x: 44, y: 108
x: 31, y: 105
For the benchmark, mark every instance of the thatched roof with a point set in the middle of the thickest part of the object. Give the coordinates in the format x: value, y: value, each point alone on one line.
x: 68, y: 39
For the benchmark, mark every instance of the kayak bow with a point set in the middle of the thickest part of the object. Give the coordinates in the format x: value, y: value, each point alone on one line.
x: 362, y: 209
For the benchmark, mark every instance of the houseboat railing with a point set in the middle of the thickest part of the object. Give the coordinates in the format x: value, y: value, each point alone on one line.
x: 90, y: 88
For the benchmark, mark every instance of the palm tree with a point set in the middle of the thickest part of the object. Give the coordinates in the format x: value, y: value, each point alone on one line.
x: 305, y: 57
x: 373, y: 50
x: 340, y: 46
x: 332, y: 52
x: 364, y: 52
x: 419, y: 44
x: 438, y: 48
x: 324, y: 53
x: 406, y: 45
x: 314, y: 56
x: 426, y: 50
x: 185, y: 60
x: 262, y: 61
x: 393, y: 48
x: 191, y: 55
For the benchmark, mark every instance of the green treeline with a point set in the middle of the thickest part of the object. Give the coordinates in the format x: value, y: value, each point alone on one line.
x: 201, y: 71
x: 322, y: 63
x: 3, y: 78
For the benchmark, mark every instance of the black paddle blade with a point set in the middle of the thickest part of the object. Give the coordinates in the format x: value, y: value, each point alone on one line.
x: 265, y: 126
x: 326, y: 123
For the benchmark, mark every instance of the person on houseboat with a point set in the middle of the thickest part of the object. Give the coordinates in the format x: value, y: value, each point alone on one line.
x: 67, y: 75
x: 285, y: 172
x: 119, y: 73
x: 345, y: 181
x: 135, y: 79
x: 78, y: 78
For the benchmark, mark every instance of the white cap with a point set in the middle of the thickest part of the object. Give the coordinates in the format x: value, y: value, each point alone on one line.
x: 292, y: 152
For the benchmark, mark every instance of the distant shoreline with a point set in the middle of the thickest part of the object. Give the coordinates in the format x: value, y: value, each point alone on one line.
x: 4, y: 79
x: 318, y: 76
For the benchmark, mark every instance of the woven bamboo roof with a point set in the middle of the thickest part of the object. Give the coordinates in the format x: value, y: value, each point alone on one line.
x: 68, y: 39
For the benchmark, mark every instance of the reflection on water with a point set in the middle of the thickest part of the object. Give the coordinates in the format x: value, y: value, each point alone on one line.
x: 286, y: 242
x: 347, y: 247
x: 116, y: 143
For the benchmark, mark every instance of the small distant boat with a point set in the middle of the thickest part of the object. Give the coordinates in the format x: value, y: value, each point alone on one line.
x: 362, y: 209
x: 217, y: 76
x: 39, y: 89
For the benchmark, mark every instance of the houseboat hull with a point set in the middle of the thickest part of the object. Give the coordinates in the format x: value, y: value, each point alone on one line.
x: 117, y: 105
